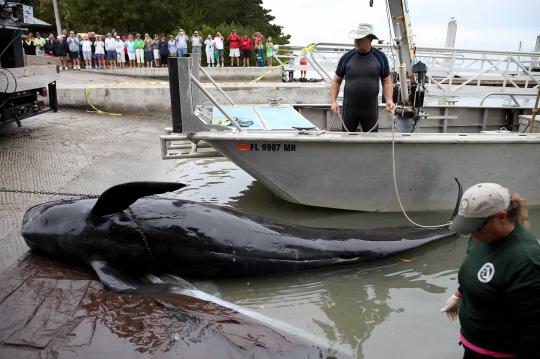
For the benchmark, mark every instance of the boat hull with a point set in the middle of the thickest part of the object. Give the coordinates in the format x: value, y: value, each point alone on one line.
x: 355, y: 172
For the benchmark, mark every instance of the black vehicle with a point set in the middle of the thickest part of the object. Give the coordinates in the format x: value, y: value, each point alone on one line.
x: 23, y: 89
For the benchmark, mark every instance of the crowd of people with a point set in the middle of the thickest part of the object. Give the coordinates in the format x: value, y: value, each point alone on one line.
x: 112, y: 50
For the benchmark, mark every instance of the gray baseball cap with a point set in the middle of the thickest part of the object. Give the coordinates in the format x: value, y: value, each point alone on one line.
x: 478, y: 203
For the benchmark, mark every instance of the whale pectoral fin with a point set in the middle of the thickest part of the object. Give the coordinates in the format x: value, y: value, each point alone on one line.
x: 120, y: 197
x: 118, y: 281
x: 170, y: 279
x: 115, y: 279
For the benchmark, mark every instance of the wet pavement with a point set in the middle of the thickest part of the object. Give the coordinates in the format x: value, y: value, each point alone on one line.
x: 75, y: 152
x: 50, y: 309
x: 60, y: 310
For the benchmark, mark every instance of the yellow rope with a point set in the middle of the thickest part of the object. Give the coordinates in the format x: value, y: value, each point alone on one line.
x: 88, y: 89
x: 263, y: 75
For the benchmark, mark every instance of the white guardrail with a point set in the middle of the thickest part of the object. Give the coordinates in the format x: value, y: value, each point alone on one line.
x: 448, y: 69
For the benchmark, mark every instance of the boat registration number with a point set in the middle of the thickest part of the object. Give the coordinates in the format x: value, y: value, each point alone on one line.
x: 267, y: 147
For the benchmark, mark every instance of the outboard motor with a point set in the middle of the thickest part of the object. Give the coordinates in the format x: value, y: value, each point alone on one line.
x: 408, y: 111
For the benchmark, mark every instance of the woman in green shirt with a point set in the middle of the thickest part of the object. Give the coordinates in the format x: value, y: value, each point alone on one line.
x: 269, y: 51
x: 139, y: 50
x: 498, y: 298
x: 40, y: 44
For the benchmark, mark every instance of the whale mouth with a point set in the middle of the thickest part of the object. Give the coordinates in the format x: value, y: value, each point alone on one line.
x: 31, y: 214
x: 32, y: 230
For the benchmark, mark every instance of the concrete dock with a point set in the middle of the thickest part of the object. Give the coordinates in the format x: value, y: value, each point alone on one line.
x: 141, y: 91
x: 146, y: 91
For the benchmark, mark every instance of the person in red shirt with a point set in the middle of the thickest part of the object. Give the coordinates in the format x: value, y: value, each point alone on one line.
x: 303, y: 67
x: 246, y: 45
x: 234, y: 45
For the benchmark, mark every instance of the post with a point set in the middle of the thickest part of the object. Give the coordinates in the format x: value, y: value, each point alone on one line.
x: 57, y: 18
x: 183, y: 120
x: 534, y: 60
x: 451, y: 33
x: 534, y: 112
x: 174, y: 87
x: 195, y: 65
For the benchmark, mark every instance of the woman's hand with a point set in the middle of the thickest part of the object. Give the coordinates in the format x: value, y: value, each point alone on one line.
x: 451, y: 309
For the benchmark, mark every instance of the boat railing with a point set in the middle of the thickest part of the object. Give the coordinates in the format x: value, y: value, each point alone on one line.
x: 193, y: 115
x: 512, y: 96
x: 211, y: 79
x: 211, y: 98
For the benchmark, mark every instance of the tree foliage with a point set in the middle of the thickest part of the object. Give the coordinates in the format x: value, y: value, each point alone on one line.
x: 163, y: 16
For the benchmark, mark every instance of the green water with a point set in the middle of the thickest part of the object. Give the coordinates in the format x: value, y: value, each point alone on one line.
x: 386, y: 309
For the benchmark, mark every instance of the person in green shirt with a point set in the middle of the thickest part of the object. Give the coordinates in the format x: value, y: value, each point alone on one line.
x: 498, y: 298
x: 39, y: 42
x: 139, y: 50
x: 269, y: 51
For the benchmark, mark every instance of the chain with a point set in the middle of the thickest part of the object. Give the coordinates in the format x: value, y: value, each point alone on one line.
x: 141, y: 232
x: 49, y: 193
x: 82, y: 195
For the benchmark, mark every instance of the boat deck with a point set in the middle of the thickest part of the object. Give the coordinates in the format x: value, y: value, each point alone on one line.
x: 263, y: 117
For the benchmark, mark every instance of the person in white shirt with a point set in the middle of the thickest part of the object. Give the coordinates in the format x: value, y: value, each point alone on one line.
x: 181, y: 43
x: 218, y: 43
x: 87, y: 52
x: 110, y: 51
x: 119, y: 47
x: 209, y: 46
x: 157, y: 57
x: 196, y: 44
x: 100, y: 52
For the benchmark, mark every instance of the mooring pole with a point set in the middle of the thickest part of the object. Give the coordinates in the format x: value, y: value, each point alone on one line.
x: 174, y: 87
x: 182, y: 97
x: 57, y: 17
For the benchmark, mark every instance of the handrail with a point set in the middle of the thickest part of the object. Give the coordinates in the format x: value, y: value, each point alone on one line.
x: 511, y: 94
x: 470, y: 66
x: 195, y: 81
x: 216, y: 85
x: 439, y: 49
x: 319, y: 69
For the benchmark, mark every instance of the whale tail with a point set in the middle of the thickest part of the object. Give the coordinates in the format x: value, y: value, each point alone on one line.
x: 120, y: 197
x: 458, y: 201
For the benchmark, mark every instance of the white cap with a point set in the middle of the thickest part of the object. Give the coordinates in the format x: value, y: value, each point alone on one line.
x: 478, y: 203
x: 362, y: 30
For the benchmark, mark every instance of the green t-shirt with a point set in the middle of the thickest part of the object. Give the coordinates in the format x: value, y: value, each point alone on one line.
x: 39, y: 43
x: 139, y: 44
x: 500, y: 282
x: 269, y: 48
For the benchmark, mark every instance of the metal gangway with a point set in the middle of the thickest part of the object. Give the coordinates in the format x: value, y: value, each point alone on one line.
x: 450, y: 70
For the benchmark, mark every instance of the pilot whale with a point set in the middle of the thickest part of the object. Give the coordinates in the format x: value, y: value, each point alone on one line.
x: 129, y: 229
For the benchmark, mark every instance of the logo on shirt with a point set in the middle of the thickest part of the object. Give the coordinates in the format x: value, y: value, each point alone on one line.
x: 486, y: 272
x: 464, y: 205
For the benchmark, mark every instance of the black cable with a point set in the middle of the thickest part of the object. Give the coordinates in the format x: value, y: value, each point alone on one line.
x: 526, y: 128
x: 14, y: 78
x: 7, y: 81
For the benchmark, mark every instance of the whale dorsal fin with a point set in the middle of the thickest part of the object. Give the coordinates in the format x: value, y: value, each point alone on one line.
x: 120, y: 197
